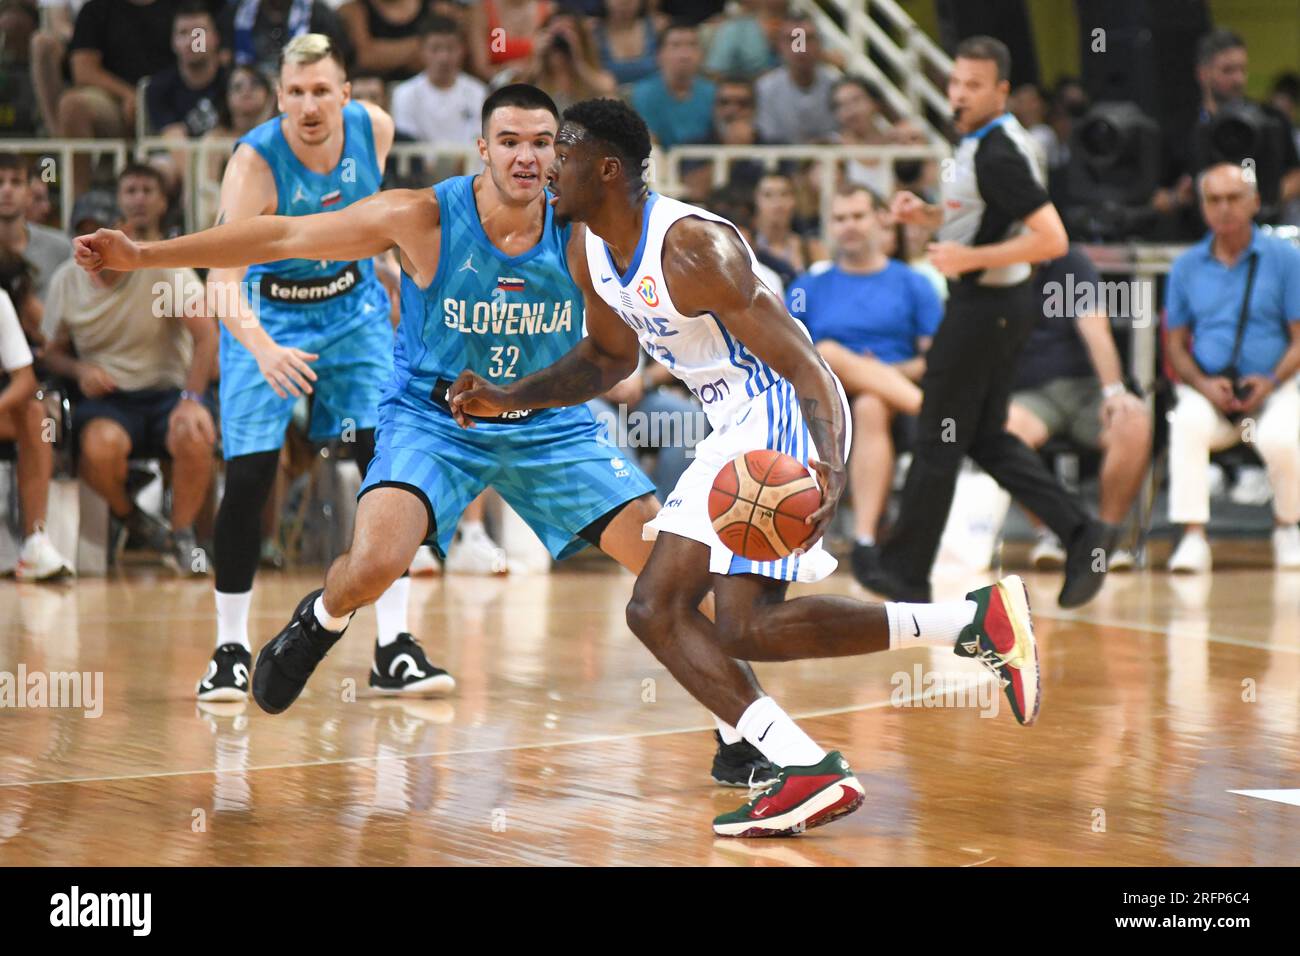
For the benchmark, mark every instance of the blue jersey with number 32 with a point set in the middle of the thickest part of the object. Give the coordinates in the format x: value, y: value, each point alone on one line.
x: 502, y: 316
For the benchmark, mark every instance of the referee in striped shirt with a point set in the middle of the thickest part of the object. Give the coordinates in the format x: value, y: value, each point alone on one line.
x: 995, y: 220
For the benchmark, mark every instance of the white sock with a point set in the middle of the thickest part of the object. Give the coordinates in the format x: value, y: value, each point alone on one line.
x: 917, y: 625
x: 327, y: 620
x: 867, y: 540
x: 390, y: 611
x: 778, y: 738
x: 472, y: 529
x: 232, y: 618
x: 730, y: 735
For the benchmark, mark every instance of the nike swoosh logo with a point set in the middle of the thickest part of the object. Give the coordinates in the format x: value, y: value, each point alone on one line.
x: 759, y: 813
x: 764, y: 733
x: 917, y: 632
x: 744, y: 416
x: 606, y: 278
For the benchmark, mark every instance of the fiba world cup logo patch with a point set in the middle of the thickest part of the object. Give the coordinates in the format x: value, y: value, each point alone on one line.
x: 646, y: 289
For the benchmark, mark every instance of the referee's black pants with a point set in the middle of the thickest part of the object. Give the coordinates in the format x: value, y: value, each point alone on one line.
x: 970, y: 368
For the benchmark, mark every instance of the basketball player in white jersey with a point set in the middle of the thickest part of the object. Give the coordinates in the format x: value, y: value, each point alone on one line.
x: 681, y: 283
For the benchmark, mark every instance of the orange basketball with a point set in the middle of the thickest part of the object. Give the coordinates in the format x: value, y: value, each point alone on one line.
x: 758, y: 504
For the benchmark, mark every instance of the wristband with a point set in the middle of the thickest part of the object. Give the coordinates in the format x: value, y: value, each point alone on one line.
x: 192, y: 396
x: 1112, y: 390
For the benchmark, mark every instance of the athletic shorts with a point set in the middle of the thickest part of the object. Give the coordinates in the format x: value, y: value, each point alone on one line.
x: 558, y: 471
x: 354, y: 368
x: 771, y: 419
x: 1067, y: 406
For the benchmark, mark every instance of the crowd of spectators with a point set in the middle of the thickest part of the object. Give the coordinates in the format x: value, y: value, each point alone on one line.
x: 751, y: 75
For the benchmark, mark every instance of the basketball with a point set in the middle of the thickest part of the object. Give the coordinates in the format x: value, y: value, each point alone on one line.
x: 758, y: 504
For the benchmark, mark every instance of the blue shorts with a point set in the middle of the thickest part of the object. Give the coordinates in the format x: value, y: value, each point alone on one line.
x: 558, y: 471
x: 355, y: 345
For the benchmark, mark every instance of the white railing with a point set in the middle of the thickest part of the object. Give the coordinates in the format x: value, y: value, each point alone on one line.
x: 863, y: 41
x: 63, y: 151
x: 828, y: 158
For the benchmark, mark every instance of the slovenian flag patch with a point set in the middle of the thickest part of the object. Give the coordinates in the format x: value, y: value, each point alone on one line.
x: 510, y: 284
x: 330, y: 199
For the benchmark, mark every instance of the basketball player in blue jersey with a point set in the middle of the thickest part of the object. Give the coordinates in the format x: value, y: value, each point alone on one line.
x: 680, y: 282
x: 485, y: 285
x: 298, y: 325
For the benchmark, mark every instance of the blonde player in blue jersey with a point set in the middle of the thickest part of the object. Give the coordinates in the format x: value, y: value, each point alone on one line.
x: 485, y: 285
x: 680, y: 283
x: 299, y: 325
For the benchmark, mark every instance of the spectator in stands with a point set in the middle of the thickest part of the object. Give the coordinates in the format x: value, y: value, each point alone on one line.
x: 499, y: 33
x: 626, y: 39
x: 1237, y: 381
x: 792, y: 98
x: 140, y: 346
x: 385, y: 35
x: 249, y: 101
x: 442, y: 104
x: 22, y: 421
x: 744, y: 45
x: 872, y: 318
x: 859, y: 122
x: 774, y: 209
x: 257, y: 30
x: 115, y: 44
x: 733, y: 125
x: 676, y: 103
x: 1072, y: 384
x: 1221, y: 72
x: 49, y: 53
x: 564, y: 63
x: 38, y: 206
x: 44, y: 248
x: 18, y: 23
x: 1070, y: 104
x: 182, y: 100
x: 1029, y: 107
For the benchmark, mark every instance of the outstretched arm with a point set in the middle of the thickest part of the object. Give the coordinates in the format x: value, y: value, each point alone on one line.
x: 605, y: 356
x: 707, y: 268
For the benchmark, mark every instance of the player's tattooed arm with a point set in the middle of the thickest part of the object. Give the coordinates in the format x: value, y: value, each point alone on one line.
x: 707, y: 269
x: 608, y: 354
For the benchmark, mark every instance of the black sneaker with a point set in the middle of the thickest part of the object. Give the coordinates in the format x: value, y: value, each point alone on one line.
x: 741, y: 765
x: 402, y: 668
x: 140, y: 530
x: 1086, y: 559
x: 284, y: 664
x: 227, y: 675
x: 872, y: 575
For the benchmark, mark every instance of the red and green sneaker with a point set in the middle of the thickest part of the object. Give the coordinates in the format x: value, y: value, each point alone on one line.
x: 1002, y: 638
x: 801, y: 798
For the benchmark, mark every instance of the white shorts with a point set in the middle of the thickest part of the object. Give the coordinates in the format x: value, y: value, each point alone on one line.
x: 771, y: 419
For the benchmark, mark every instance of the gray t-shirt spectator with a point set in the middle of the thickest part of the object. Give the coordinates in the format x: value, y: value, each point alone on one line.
x: 46, y: 250
x: 789, y: 114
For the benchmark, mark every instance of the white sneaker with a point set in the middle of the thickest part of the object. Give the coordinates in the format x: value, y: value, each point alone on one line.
x: 40, y: 560
x: 1192, y: 556
x: 1047, y: 555
x: 1217, y: 480
x: 1286, y: 547
x: 476, y: 553
x: 1252, y: 487
x: 1121, y: 559
x: 425, y: 562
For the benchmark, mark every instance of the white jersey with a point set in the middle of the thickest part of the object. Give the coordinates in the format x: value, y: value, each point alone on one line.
x: 719, y: 370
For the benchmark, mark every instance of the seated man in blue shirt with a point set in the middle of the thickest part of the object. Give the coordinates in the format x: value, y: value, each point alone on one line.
x: 1070, y: 383
x: 1235, y: 387
x: 676, y: 102
x: 872, y: 318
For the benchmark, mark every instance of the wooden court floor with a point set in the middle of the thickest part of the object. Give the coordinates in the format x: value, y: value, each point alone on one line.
x: 568, y: 744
